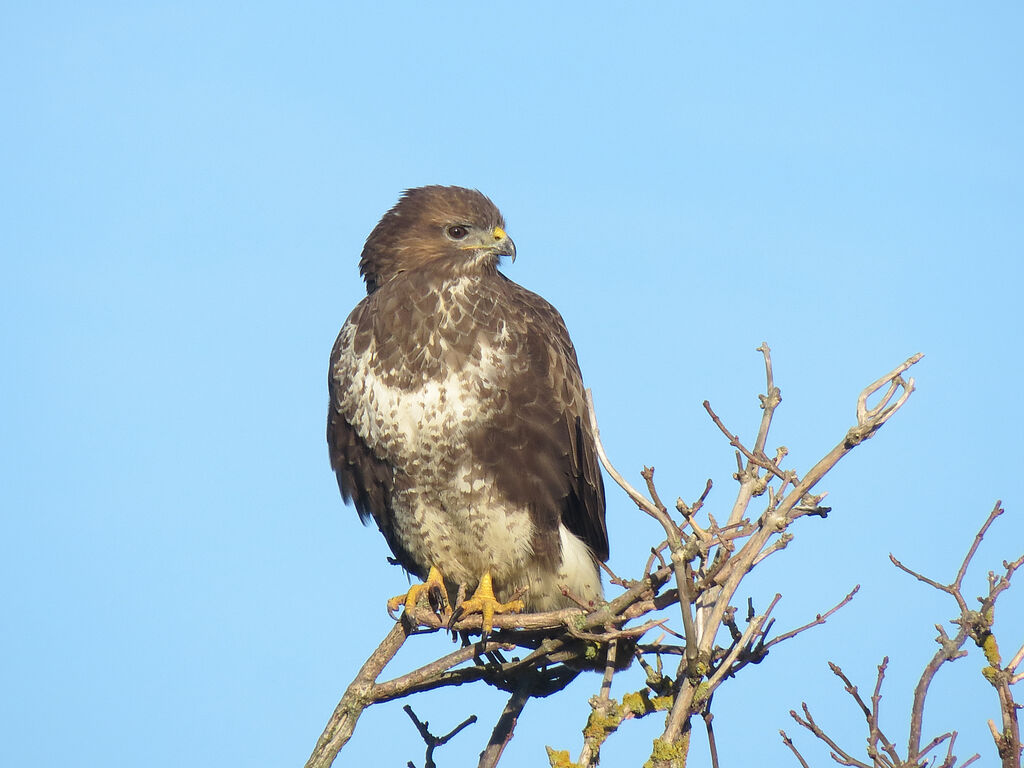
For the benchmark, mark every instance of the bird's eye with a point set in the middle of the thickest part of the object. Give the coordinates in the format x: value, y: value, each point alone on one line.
x: 457, y: 231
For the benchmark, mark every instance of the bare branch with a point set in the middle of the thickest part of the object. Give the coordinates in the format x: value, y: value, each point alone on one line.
x: 973, y: 624
x: 672, y: 533
x: 789, y: 743
x: 343, y: 722
x: 688, y: 511
x: 744, y: 643
x: 779, y: 544
x: 638, y: 498
x: 821, y: 618
x: 603, y: 707
x: 951, y: 649
x: 769, y: 401
x: 870, y: 419
x: 712, y: 744
x: 997, y: 510
x: 648, y: 475
x: 431, y: 675
x: 868, y: 422
x: 1017, y: 659
x: 838, y: 754
x: 432, y: 741
x: 918, y: 576
x: 505, y: 728
x: 758, y: 459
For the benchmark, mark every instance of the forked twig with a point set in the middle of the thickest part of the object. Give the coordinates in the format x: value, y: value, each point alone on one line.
x: 432, y: 741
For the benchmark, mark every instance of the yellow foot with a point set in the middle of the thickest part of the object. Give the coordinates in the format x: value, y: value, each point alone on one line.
x: 483, y: 601
x: 416, y: 591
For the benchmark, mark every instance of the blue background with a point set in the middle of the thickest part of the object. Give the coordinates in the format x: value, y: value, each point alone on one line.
x: 184, y: 194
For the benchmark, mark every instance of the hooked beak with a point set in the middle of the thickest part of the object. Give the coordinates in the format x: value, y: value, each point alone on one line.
x: 503, y: 245
x: 494, y: 243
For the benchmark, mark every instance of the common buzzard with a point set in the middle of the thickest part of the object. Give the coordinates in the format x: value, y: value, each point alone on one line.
x: 457, y: 417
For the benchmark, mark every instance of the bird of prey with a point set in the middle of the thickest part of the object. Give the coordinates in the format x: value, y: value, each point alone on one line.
x: 457, y: 417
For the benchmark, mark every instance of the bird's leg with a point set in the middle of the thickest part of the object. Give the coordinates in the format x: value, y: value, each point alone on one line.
x: 433, y: 582
x: 483, y: 601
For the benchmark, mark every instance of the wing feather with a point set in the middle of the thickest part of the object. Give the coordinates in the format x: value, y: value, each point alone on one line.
x: 540, y: 448
x: 364, y: 478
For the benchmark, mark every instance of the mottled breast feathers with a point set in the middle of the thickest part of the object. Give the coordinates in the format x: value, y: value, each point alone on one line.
x: 457, y: 417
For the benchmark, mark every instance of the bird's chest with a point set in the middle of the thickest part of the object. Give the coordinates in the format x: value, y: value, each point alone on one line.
x: 426, y: 382
x: 422, y: 398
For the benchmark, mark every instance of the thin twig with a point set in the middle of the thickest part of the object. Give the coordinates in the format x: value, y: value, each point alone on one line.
x: 769, y: 401
x: 712, y: 744
x: 752, y: 630
x: 821, y: 618
x: 672, y: 533
x: 839, y: 754
x: 757, y: 459
x: 432, y: 741
x: 792, y: 747
x: 638, y: 498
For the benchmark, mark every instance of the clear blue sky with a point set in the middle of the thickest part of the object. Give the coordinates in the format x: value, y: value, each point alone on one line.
x: 184, y: 195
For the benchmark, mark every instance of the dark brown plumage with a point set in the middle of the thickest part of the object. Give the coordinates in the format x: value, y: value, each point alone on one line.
x: 457, y: 418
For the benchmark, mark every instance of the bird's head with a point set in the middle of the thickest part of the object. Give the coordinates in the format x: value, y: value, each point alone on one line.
x: 452, y: 228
